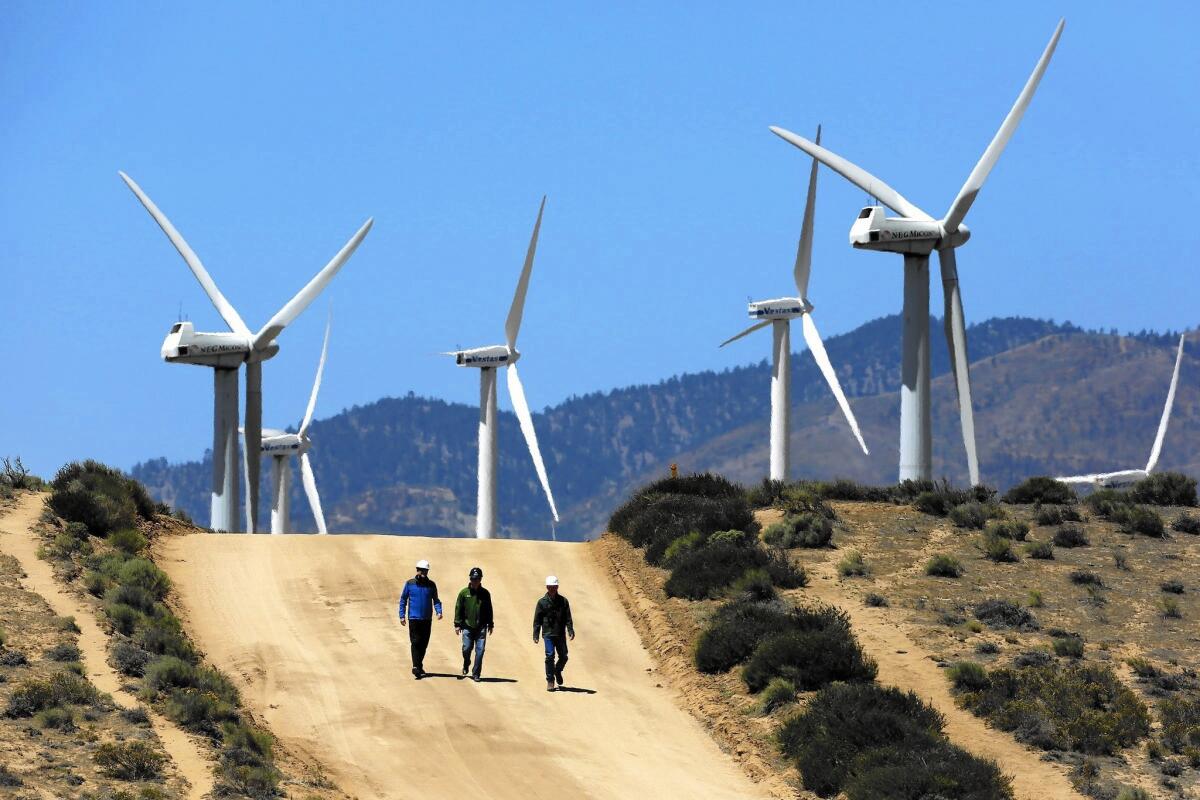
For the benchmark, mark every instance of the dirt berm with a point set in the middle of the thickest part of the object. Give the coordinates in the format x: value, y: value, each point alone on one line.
x: 307, y: 627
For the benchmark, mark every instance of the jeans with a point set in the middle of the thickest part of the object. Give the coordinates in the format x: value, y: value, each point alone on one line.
x: 478, y: 641
x: 418, y: 638
x: 555, y: 644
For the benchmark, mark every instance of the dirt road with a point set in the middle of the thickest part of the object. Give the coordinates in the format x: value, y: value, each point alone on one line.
x: 307, y: 626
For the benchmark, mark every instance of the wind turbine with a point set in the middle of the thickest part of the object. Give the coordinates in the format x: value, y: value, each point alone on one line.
x: 778, y: 314
x: 281, y: 446
x: 915, y: 235
x: 1125, y: 477
x: 487, y: 360
x: 225, y: 353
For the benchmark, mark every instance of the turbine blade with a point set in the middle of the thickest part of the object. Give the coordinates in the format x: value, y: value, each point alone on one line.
x: 284, y: 316
x: 521, y: 407
x: 804, y: 249
x: 1166, y: 415
x: 970, y: 189
x: 817, y: 348
x: 223, y: 306
x: 513, y: 324
x: 956, y: 340
x: 312, y: 398
x: 310, y: 490
x: 747, y: 332
x: 855, y: 174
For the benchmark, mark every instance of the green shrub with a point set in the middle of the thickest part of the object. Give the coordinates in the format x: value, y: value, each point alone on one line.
x: 60, y: 689
x: 95, y: 583
x: 1133, y: 793
x: 706, y: 572
x: 799, y: 500
x: 967, y: 676
x: 766, y: 494
x: 59, y: 719
x: 800, y: 530
x: 1169, y: 607
x: 1082, y: 577
x: 852, y: 564
x: 145, y: 575
x: 1164, y: 489
x: 1007, y: 528
x: 875, y: 600
x: 934, y: 770
x: 974, y: 515
x: 943, y: 566
x: 940, y: 501
x: 844, y: 720
x: 998, y: 613
x: 129, y: 761
x: 735, y: 631
x: 169, y: 673
x: 100, y: 497
x: 697, y: 484
x: 846, y: 489
x: 1107, y: 502
x: 9, y: 779
x: 783, y: 572
x: 1172, y: 586
x: 134, y: 597
x: 987, y: 648
x: 1143, y: 521
x: 129, y: 659
x: 128, y: 540
x: 1042, y: 550
x: 809, y: 659
x: 1057, y: 515
x: 1180, y: 722
x: 164, y: 636
x: 1080, y: 706
x: 1068, y: 647
x: 200, y: 711
x: 1070, y: 536
x: 997, y: 548
x: 779, y: 693
x: 1186, y: 523
x: 1040, y: 489
x: 66, y: 651
x: 739, y: 626
x: 754, y: 585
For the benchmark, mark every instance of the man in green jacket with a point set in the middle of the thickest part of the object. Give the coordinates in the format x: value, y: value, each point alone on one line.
x: 552, y: 619
x: 473, y: 620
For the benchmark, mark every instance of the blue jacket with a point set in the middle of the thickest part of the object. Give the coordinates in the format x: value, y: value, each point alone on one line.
x: 420, y: 599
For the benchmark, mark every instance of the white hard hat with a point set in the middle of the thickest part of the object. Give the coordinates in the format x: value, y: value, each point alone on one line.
x: 551, y: 580
x: 422, y: 564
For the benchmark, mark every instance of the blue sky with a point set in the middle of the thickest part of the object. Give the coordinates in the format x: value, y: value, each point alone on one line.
x: 268, y: 133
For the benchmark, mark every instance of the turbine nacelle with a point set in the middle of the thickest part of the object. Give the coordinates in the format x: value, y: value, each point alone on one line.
x: 184, y: 345
x: 779, y: 308
x: 281, y: 443
x: 497, y: 355
x: 874, y: 230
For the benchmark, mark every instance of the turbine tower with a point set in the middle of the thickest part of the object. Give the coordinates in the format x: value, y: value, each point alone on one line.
x: 281, y: 446
x: 778, y: 314
x: 487, y: 360
x: 1125, y: 477
x: 915, y: 235
x: 225, y: 353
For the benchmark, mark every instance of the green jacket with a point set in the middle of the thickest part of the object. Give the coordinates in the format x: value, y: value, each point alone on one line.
x: 552, y: 616
x: 473, y: 609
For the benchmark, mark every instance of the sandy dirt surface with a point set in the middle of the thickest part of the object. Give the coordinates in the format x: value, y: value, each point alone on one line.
x: 307, y: 627
x: 18, y: 540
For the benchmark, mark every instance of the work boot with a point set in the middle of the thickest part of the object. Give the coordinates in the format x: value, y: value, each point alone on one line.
x: 417, y: 673
x: 466, y: 666
x: 549, y: 686
x: 558, y: 676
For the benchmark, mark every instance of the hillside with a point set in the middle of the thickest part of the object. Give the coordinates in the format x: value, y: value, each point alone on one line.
x: 407, y: 465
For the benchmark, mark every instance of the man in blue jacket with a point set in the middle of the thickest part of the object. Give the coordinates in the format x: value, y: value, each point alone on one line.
x: 418, y: 603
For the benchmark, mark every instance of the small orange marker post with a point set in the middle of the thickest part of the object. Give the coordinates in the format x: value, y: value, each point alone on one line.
x: 674, y: 470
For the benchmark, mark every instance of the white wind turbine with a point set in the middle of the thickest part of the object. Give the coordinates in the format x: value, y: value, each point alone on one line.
x: 778, y: 314
x: 487, y: 360
x: 225, y: 353
x: 1127, y: 476
x: 281, y: 446
x: 915, y: 235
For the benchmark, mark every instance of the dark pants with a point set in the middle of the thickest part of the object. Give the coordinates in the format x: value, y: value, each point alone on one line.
x: 555, y: 644
x: 418, y: 637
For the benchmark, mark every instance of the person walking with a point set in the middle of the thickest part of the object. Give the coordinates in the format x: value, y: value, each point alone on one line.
x: 552, y: 620
x: 473, y: 621
x: 418, y: 603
